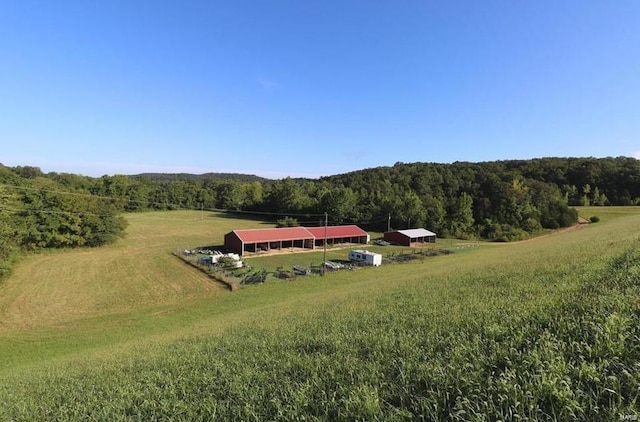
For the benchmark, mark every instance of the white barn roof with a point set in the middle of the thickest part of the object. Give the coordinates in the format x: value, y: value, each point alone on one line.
x: 414, y: 233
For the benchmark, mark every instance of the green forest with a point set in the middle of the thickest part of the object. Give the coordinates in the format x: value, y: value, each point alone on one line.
x: 500, y: 200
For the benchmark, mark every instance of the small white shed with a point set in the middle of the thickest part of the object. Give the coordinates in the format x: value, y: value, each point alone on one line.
x: 365, y: 257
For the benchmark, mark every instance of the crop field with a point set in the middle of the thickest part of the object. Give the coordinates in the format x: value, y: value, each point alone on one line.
x: 544, y: 329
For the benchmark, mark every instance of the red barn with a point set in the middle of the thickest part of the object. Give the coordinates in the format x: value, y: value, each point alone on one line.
x: 339, y: 234
x: 256, y: 240
x: 410, y: 237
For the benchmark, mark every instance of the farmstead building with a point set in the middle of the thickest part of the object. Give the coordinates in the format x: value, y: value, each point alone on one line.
x: 339, y: 234
x: 411, y: 237
x: 259, y: 240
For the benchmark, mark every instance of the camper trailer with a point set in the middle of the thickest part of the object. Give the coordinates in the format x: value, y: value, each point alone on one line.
x: 365, y: 257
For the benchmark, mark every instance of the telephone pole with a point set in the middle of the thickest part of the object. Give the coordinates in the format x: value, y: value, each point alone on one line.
x: 326, y: 222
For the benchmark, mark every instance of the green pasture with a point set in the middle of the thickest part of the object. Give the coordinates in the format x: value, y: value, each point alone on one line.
x: 607, y: 213
x: 532, y: 330
x: 333, y: 253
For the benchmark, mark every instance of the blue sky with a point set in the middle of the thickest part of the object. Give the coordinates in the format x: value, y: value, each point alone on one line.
x: 313, y: 88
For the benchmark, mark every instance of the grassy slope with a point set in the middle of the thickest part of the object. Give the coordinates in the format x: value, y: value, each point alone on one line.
x: 61, y: 303
x: 130, y: 307
x: 64, y: 301
x: 61, y: 300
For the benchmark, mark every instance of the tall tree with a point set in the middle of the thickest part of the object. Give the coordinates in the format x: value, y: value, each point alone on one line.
x: 287, y: 196
x: 460, y: 216
x: 341, y: 204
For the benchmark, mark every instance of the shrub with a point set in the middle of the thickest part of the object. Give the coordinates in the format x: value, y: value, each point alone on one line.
x: 594, y: 219
x: 288, y: 222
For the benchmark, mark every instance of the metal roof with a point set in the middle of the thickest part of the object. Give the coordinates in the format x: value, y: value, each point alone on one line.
x: 337, y: 232
x: 414, y: 233
x: 273, y: 235
x: 295, y: 233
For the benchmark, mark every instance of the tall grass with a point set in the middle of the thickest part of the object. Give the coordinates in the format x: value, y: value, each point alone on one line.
x: 541, y: 330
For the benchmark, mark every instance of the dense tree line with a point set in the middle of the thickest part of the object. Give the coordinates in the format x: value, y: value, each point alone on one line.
x: 52, y: 211
x: 169, y: 177
x: 501, y: 200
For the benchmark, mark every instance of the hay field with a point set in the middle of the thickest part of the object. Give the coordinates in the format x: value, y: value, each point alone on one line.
x: 56, y: 288
x: 52, y: 295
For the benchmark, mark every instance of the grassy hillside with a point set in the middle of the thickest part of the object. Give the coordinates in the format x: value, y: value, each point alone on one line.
x: 95, y: 296
x: 542, y: 329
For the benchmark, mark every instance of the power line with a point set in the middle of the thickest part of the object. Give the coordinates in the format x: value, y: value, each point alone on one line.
x: 282, y: 214
x: 88, y: 195
x: 61, y: 192
x: 179, y: 207
x: 165, y: 204
x: 50, y: 211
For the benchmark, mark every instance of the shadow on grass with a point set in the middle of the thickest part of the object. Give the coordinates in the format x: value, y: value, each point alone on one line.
x: 263, y: 218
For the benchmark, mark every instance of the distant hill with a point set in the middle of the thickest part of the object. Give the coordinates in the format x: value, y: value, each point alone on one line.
x: 172, y: 177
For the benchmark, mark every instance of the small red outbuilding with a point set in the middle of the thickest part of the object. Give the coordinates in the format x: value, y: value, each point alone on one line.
x: 410, y: 237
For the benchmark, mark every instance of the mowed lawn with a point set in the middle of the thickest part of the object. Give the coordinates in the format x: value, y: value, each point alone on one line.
x: 104, y: 300
x: 56, y: 288
x: 73, y: 296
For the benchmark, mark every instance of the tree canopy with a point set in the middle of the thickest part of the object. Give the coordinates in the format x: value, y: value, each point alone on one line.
x: 53, y: 211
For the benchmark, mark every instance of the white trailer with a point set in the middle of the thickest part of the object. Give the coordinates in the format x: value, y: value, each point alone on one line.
x: 218, y: 256
x: 365, y: 257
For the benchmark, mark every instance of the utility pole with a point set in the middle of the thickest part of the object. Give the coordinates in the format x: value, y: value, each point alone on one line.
x: 389, y: 223
x: 326, y: 222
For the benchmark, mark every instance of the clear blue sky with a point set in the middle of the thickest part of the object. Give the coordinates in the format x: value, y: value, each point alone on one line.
x: 313, y: 87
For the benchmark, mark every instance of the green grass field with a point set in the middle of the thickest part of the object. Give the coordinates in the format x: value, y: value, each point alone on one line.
x: 541, y: 329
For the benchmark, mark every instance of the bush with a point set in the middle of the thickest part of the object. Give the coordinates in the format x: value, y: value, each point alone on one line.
x: 288, y: 222
x: 594, y: 219
x: 503, y: 233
